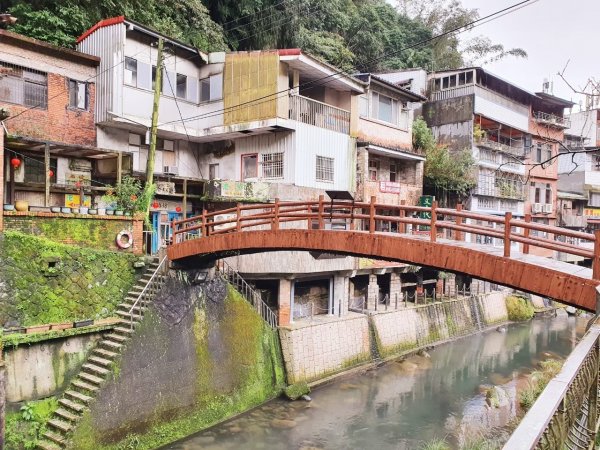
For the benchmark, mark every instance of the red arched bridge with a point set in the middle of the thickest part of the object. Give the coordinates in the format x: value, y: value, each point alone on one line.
x: 447, y: 239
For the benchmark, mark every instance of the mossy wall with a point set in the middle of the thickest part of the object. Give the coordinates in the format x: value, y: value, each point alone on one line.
x: 42, y: 281
x: 201, y: 355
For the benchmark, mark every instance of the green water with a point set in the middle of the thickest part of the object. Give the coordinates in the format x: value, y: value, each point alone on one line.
x: 404, y: 404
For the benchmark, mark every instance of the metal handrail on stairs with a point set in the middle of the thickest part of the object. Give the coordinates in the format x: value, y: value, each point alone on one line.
x: 248, y: 292
x: 150, y: 289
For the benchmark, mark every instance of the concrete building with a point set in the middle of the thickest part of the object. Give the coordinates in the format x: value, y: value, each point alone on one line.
x: 509, y: 131
x: 47, y: 98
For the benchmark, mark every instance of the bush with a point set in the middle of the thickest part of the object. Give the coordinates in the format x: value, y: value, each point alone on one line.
x: 519, y: 309
x: 435, y: 444
x: 538, y: 382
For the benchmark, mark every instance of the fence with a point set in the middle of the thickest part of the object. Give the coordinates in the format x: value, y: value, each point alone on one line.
x: 313, y: 112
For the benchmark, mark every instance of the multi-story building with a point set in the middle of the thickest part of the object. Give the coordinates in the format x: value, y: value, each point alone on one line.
x: 514, y: 137
x: 47, y: 95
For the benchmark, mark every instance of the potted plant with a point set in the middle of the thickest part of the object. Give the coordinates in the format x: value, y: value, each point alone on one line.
x: 65, y: 210
x: 38, y: 328
x: 22, y: 205
x: 75, y: 210
x: 61, y: 326
x: 110, y: 212
x: 83, y: 209
x: 93, y: 211
x: 55, y: 209
x: 8, y: 207
x: 126, y: 198
x: 83, y: 323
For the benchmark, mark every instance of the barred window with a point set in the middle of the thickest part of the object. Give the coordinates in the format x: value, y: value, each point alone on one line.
x: 23, y: 86
x: 35, y: 170
x: 272, y: 165
x: 324, y: 169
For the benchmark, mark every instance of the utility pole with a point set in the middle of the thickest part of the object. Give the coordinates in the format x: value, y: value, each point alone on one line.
x: 153, y: 128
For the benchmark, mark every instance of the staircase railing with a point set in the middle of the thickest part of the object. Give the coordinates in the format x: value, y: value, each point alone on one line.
x: 248, y: 292
x: 150, y: 289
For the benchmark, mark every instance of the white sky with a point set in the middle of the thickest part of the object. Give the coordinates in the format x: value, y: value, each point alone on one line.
x: 552, y: 32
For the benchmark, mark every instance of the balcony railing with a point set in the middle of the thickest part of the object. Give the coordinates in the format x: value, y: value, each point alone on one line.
x: 573, y: 221
x: 551, y: 119
x: 459, y: 91
x: 515, y: 150
x: 313, y: 112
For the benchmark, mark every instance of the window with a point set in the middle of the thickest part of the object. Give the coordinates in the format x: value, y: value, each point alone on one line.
x: 363, y: 106
x: 538, y: 152
x: 130, y: 71
x: 165, y: 144
x: 213, y: 171
x: 324, y: 170
x: 249, y: 166
x: 78, y: 94
x: 594, y: 199
x: 23, y: 86
x: 35, y: 170
x: 181, y: 90
x: 393, y: 172
x: 272, y: 165
x: 373, y: 169
x: 205, y: 90
x: 548, y: 194
x: 537, y: 195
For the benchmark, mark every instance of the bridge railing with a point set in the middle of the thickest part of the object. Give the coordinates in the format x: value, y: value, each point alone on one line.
x: 431, y: 222
x: 565, y: 415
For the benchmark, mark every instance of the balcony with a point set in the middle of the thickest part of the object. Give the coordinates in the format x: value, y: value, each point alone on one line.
x: 516, y: 149
x: 313, y: 112
x: 551, y: 120
x: 573, y: 221
x: 500, y: 187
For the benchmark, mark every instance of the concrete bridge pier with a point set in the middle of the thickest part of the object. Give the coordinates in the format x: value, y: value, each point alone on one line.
x: 372, y: 292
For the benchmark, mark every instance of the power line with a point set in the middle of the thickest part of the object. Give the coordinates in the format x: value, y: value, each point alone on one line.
x: 457, y: 30
x: 254, y: 13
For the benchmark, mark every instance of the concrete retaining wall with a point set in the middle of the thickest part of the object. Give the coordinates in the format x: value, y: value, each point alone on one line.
x: 317, y: 349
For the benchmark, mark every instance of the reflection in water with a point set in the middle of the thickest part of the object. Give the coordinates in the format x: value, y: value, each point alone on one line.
x: 403, y: 404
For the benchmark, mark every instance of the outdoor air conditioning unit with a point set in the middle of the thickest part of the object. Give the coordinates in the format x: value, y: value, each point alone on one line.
x: 548, y: 208
x: 536, y: 208
x: 171, y: 170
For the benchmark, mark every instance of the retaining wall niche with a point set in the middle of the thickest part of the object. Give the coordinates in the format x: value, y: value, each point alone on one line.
x: 314, y: 350
x: 200, y: 355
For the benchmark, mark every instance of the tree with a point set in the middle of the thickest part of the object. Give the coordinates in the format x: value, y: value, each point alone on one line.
x: 446, y: 173
x: 449, y: 52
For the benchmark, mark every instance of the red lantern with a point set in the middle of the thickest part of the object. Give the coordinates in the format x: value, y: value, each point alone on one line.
x: 133, y: 197
x: 178, y: 209
x: 15, y: 162
x: 50, y: 173
x: 78, y: 184
x: 155, y: 205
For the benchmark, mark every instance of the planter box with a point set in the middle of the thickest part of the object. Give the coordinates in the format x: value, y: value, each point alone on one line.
x: 83, y: 323
x: 19, y: 330
x: 61, y: 326
x: 38, y: 329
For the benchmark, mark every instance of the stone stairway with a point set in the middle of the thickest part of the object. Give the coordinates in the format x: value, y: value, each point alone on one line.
x: 99, y: 364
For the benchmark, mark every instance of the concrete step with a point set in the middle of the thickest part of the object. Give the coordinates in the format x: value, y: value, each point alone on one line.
x: 95, y: 369
x: 85, y: 376
x: 60, y: 425
x: 127, y: 331
x: 103, y: 353
x: 83, y: 386
x: 111, y: 345
x: 67, y: 415
x: 72, y: 406
x: 78, y: 397
x: 137, y: 309
x: 117, y: 337
x: 98, y: 361
x: 126, y: 315
x: 56, y: 439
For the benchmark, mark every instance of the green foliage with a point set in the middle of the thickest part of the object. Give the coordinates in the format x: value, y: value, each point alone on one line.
x: 480, y: 443
x: 538, y: 381
x: 519, y: 309
x: 129, y: 195
x: 445, y: 171
x: 435, y: 444
x: 295, y: 391
x: 86, y: 283
x: 25, y: 427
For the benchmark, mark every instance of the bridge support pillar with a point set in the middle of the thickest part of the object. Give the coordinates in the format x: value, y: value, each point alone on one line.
x: 372, y: 292
x: 341, y: 289
x: 285, y: 301
x: 395, y: 288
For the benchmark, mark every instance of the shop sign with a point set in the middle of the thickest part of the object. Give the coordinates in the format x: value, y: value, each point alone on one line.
x: 389, y: 187
x: 72, y: 201
x: 591, y: 212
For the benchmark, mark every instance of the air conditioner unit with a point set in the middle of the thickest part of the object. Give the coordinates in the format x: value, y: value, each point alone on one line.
x: 171, y: 170
x: 536, y: 208
x: 548, y: 208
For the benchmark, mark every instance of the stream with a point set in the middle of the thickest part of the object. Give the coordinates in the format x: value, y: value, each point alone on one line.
x: 404, y: 404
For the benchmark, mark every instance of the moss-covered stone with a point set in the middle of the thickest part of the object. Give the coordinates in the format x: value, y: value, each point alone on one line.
x: 44, y: 282
x: 26, y: 425
x: 295, y: 391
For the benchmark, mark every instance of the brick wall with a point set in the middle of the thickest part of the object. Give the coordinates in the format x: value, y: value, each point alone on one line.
x: 97, y: 232
x: 58, y: 123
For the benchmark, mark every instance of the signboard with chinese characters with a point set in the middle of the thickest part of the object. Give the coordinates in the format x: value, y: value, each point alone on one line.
x: 426, y: 201
x: 165, y: 187
x: 238, y: 190
x: 591, y: 212
x: 72, y: 201
x: 168, y: 205
x: 389, y: 187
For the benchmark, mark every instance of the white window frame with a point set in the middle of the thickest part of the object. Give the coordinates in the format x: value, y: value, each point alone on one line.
x: 272, y: 165
x: 325, y: 169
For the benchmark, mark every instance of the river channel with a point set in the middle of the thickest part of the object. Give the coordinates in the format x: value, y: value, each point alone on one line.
x: 404, y: 404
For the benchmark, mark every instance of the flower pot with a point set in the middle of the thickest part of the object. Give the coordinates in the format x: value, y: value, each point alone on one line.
x: 75, y: 210
x: 9, y: 208
x: 65, y: 210
x: 22, y: 205
x: 92, y: 211
x: 84, y: 210
x: 110, y: 212
x: 101, y: 211
x: 61, y: 326
x: 128, y: 213
x: 118, y: 213
x: 55, y: 209
x: 17, y: 330
x: 83, y: 323
x: 38, y: 328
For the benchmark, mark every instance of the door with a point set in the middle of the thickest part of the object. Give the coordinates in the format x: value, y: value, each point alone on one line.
x: 155, y: 242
